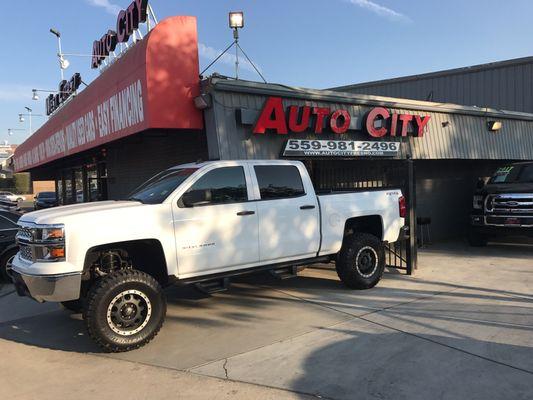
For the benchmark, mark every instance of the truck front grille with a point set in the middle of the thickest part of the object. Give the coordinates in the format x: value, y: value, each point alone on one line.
x: 25, y: 234
x: 25, y: 253
x: 509, y: 204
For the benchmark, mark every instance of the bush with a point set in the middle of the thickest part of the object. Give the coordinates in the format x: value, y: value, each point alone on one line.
x: 22, y: 183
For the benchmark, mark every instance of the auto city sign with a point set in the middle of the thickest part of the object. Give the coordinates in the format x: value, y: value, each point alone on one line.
x: 378, y: 122
x: 128, y: 21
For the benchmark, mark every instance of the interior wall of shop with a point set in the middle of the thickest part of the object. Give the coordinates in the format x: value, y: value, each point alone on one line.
x: 133, y: 160
x: 444, y: 190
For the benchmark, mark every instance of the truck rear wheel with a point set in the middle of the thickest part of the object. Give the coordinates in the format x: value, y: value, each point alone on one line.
x: 361, y: 261
x: 125, y: 310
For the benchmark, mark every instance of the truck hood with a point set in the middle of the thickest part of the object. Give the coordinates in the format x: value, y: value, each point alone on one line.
x: 508, y: 188
x: 58, y: 215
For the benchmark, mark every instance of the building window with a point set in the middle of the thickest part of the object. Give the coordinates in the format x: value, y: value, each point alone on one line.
x: 59, y: 190
x: 69, y: 188
x: 82, y: 184
x: 78, y: 181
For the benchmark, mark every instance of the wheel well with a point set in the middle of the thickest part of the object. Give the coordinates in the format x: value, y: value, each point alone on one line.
x: 368, y: 224
x: 145, y: 255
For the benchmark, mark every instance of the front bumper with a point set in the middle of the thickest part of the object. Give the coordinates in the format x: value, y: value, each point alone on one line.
x: 478, y: 224
x: 62, y: 287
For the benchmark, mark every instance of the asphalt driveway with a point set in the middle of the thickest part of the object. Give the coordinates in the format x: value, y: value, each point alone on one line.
x: 462, y: 327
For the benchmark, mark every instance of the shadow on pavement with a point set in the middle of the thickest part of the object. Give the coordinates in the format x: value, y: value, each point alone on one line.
x: 356, y: 364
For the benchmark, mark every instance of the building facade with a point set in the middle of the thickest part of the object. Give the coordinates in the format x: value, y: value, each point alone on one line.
x: 150, y: 110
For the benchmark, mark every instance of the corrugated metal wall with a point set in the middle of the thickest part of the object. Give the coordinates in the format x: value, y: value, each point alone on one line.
x: 450, y: 135
x: 505, y: 85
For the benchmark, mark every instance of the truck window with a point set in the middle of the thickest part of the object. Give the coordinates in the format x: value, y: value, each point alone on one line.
x: 518, y: 173
x: 159, y: 187
x: 279, y: 181
x: 219, y: 186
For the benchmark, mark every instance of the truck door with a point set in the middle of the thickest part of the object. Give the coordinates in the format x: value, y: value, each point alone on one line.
x: 289, y: 226
x: 216, y: 224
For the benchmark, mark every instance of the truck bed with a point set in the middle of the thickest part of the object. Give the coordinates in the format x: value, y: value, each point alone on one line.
x: 336, y: 208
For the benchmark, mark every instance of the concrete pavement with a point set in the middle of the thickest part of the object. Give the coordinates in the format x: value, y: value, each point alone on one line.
x: 461, y: 328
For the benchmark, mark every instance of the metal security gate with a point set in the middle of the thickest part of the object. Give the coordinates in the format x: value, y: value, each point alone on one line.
x: 334, y: 175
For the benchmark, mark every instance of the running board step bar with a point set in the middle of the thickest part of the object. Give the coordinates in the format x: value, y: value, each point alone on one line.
x: 285, y: 272
x: 213, y: 286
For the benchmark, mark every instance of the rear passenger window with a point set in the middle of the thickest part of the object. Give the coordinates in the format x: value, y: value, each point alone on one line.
x: 279, y: 181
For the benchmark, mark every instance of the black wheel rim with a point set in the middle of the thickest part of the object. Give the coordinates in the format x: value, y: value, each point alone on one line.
x: 366, y: 261
x: 129, y: 312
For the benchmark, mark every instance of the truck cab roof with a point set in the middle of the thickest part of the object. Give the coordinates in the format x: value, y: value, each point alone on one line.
x: 202, y: 164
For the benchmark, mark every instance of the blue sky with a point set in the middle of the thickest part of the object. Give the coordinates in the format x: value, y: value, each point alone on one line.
x: 309, y: 43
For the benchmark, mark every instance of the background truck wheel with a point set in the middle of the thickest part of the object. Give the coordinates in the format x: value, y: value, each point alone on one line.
x: 5, y: 264
x: 125, y: 310
x: 477, y: 239
x: 361, y: 261
x: 73, y: 305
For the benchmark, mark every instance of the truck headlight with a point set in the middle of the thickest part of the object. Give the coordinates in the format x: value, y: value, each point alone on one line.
x: 477, y: 202
x: 53, y: 234
x: 50, y: 253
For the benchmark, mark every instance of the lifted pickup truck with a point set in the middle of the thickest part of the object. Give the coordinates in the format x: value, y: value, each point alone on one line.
x: 196, y: 223
x: 504, y: 206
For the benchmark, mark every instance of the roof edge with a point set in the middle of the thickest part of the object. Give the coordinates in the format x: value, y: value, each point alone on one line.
x: 440, y: 73
x: 251, y: 87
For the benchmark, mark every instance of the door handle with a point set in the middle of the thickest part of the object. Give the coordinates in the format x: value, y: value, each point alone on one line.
x: 307, y: 207
x: 241, y: 213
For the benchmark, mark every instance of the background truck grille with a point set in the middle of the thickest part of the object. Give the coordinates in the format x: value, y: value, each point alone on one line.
x: 510, y: 204
x: 25, y: 253
x: 25, y: 234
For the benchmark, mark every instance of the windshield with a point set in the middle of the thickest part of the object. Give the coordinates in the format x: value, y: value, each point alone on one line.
x: 158, y: 188
x: 46, y: 195
x: 519, y: 173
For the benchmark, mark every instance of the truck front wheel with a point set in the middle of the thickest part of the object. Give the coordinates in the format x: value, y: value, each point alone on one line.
x: 361, y: 261
x: 125, y: 310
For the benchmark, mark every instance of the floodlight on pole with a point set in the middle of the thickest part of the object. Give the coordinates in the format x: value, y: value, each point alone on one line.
x: 236, y: 22
x: 236, y: 19
x: 34, y: 96
x: 30, y: 114
x: 10, y: 130
x: 63, y: 64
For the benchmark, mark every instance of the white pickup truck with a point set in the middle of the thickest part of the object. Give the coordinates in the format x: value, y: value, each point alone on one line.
x: 196, y: 223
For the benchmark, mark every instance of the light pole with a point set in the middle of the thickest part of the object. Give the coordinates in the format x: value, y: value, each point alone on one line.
x: 10, y: 131
x: 35, y: 95
x: 236, y: 22
x: 63, y: 64
x: 29, y: 115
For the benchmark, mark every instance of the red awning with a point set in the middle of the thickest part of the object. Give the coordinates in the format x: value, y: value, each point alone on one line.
x: 151, y: 86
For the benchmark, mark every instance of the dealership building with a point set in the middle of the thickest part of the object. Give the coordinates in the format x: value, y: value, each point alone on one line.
x: 150, y: 110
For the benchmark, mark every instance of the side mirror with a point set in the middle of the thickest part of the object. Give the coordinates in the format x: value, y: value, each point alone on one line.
x: 195, y: 198
x: 480, y: 184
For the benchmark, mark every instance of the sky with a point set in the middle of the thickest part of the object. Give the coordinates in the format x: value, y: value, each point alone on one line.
x: 307, y: 43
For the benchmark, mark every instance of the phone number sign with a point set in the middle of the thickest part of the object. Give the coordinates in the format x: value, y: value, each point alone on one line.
x: 340, y: 148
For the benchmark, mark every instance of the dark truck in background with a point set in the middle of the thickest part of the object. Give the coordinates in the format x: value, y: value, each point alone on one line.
x: 503, y: 207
